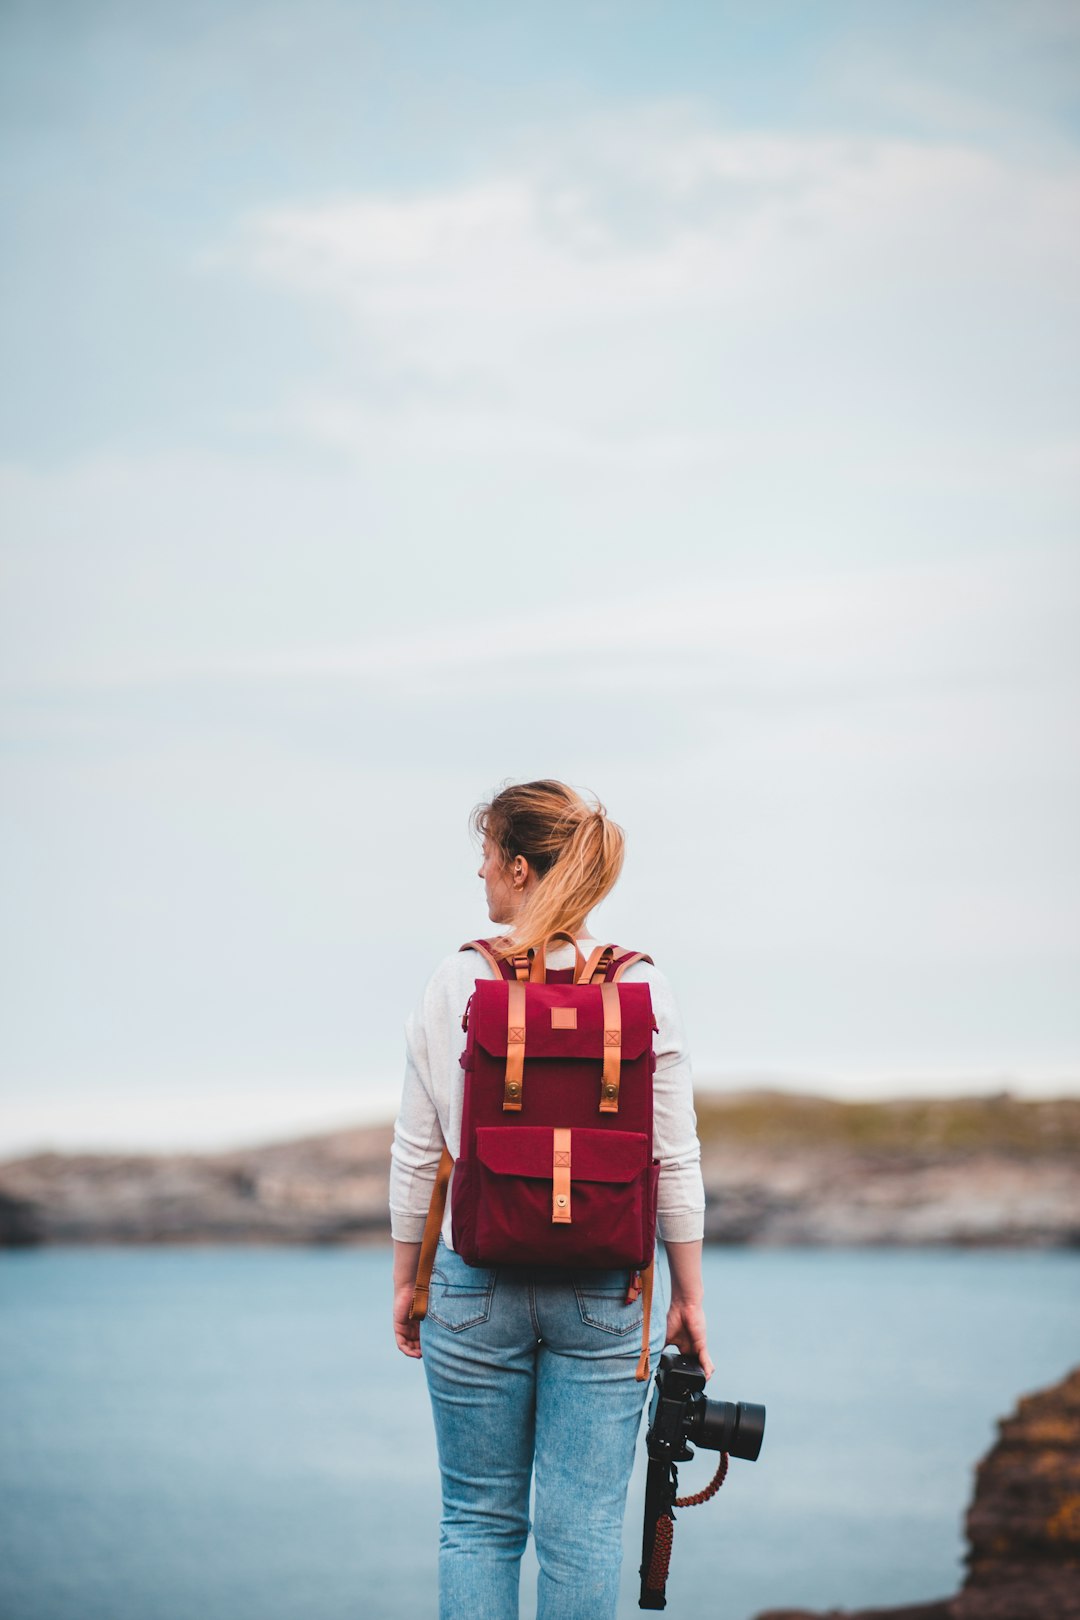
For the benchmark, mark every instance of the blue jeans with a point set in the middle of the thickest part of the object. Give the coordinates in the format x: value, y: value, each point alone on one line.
x: 532, y: 1372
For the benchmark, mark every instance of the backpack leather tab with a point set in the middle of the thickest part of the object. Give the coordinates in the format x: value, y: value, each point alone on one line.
x: 515, y: 1047
x: 609, y: 1080
x: 560, y: 1176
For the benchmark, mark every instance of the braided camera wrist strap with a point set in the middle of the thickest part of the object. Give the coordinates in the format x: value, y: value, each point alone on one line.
x: 656, y: 1579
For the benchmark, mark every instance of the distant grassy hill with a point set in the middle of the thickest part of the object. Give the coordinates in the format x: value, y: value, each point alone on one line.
x: 904, y: 1128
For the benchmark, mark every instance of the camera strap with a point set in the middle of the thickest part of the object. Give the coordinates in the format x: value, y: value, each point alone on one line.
x: 654, y: 1579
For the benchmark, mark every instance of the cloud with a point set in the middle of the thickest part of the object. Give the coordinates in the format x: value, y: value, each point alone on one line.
x: 803, y: 640
x: 653, y: 286
x: 801, y: 636
x: 992, y: 71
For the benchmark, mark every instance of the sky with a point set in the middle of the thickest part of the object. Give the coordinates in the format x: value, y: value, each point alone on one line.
x: 679, y: 400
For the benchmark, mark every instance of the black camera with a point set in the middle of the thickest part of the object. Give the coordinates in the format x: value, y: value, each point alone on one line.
x: 681, y: 1412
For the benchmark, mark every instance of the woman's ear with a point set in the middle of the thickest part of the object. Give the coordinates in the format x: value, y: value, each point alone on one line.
x: 519, y: 871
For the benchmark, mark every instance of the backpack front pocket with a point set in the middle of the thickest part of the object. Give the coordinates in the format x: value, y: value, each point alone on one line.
x: 573, y: 1197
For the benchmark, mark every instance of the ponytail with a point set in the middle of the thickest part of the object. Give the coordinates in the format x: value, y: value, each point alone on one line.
x: 576, y: 852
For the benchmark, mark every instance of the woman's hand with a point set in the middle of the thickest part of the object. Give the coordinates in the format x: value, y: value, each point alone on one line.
x: 406, y: 1332
x: 686, y: 1324
x: 686, y: 1327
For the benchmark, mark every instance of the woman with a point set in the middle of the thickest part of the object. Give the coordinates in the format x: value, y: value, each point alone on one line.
x: 531, y: 1372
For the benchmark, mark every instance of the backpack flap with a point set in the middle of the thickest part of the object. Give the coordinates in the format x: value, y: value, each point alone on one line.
x: 559, y: 1196
x: 597, y: 1155
x: 561, y: 1020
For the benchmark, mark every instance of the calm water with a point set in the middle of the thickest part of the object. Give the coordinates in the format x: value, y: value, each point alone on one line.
x: 230, y: 1434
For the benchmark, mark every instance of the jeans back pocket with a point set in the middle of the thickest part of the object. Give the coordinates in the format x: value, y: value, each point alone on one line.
x: 604, y: 1306
x: 460, y: 1295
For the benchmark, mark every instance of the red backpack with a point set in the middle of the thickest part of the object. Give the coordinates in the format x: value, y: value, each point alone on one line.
x: 556, y: 1165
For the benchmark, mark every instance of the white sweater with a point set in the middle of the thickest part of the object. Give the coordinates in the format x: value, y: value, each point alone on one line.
x: 434, y: 1087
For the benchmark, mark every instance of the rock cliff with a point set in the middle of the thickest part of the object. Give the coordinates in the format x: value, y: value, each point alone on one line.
x: 319, y: 1189
x: 1023, y: 1525
x: 779, y: 1170
x: 785, y: 1170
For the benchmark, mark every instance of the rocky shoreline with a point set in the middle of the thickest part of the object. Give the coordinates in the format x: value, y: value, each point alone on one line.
x: 1023, y: 1526
x: 780, y: 1170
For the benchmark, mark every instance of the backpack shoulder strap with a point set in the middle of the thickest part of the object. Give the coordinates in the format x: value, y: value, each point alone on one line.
x: 620, y: 962
x: 608, y: 963
x: 502, y: 966
x: 430, y: 1241
x: 596, y: 964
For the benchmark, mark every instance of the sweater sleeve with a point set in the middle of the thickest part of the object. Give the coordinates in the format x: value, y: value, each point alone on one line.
x: 418, y: 1136
x: 681, y: 1194
x: 431, y: 1094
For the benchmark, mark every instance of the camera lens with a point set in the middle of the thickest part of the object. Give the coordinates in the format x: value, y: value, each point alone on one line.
x: 737, y: 1427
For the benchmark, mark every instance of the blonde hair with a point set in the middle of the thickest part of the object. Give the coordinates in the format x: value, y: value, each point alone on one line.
x: 575, y: 851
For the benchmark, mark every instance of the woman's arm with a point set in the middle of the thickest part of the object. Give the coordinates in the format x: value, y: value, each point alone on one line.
x: 681, y: 1201
x: 686, y: 1315
x: 410, y: 1191
x: 413, y: 1161
x: 407, y: 1333
x: 680, y: 1204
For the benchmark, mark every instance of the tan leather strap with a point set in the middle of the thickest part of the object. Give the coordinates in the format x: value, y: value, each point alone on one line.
x: 592, y: 966
x: 646, y: 1312
x: 430, y: 1240
x: 609, y: 1080
x: 521, y: 966
x: 515, y: 1047
x: 489, y: 956
x: 539, y: 961
x: 560, y: 1177
x: 638, y: 956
